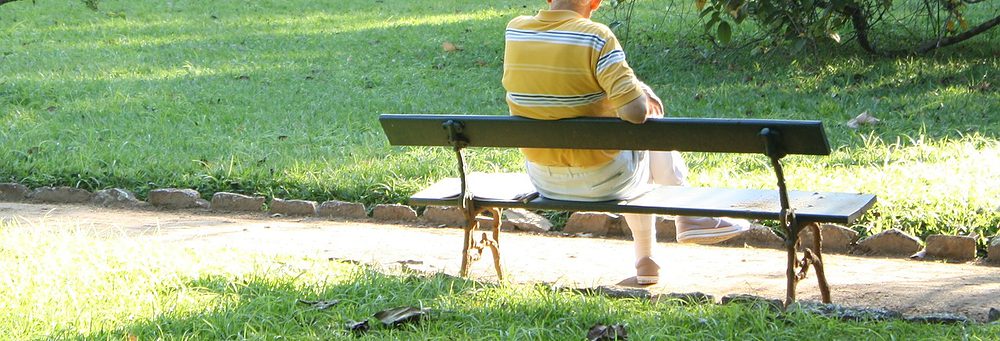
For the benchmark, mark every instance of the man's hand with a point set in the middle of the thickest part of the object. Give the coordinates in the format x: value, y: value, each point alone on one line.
x: 645, y: 106
x: 654, y: 106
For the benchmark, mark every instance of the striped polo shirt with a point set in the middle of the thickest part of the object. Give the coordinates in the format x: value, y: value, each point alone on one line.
x: 557, y: 65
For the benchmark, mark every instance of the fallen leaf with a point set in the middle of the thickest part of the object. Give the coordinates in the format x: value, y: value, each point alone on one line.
x: 358, y: 328
x: 396, y: 316
x: 480, y: 62
x: 132, y: 337
x: 320, y: 305
x: 449, y: 47
x: 863, y: 119
x: 600, y: 332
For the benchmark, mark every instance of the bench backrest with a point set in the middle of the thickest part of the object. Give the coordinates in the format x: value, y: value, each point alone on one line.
x: 682, y: 134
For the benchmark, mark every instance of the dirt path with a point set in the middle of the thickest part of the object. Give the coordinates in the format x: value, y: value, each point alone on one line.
x: 910, y: 287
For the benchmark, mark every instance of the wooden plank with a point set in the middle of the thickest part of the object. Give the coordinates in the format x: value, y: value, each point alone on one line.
x: 830, y: 207
x: 682, y: 134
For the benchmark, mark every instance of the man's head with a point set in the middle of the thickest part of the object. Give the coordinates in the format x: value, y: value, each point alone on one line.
x: 584, y: 7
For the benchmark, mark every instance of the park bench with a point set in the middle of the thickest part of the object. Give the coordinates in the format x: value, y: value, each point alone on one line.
x: 794, y: 210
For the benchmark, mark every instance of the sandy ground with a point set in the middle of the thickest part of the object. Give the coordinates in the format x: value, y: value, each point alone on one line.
x: 910, y: 287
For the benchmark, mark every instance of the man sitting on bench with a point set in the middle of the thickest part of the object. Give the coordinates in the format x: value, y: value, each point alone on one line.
x: 560, y: 64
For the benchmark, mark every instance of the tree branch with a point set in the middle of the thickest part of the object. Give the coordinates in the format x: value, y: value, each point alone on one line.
x: 860, y: 23
x: 950, y: 40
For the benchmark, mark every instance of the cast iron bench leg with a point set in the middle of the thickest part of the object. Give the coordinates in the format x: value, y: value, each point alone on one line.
x: 472, y: 250
x: 468, y: 246
x: 494, y: 243
x: 811, y: 256
x: 824, y: 288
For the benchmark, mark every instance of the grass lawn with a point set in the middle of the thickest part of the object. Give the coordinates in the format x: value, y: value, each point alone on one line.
x: 73, y: 285
x: 279, y: 98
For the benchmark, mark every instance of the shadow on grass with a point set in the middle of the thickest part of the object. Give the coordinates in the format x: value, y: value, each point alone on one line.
x: 258, y: 307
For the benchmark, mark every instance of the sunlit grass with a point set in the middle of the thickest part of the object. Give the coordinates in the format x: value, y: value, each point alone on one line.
x: 281, y: 99
x: 71, y: 284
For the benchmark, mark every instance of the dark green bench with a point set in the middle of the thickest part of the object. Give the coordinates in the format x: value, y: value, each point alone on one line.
x: 795, y: 210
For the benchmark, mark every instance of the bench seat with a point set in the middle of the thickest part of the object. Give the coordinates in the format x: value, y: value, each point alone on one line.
x: 832, y: 207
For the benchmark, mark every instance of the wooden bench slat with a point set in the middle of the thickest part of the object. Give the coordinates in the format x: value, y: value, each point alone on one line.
x: 831, y: 207
x: 682, y: 134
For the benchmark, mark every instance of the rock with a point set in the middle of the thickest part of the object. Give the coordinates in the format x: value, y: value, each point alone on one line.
x: 445, y: 215
x: 993, y: 316
x: 759, y: 237
x: 61, y: 195
x: 13, y: 192
x: 892, y: 242
x: 525, y: 220
x: 686, y: 298
x: 115, y: 197
x: 952, y: 248
x: 293, y: 207
x: 940, y: 318
x: 616, y: 292
x: 845, y: 313
x: 666, y: 229
x: 342, y: 209
x: 394, y: 212
x: 756, y: 301
x: 202, y: 203
x: 594, y: 223
x: 993, y: 252
x: 225, y: 201
x: 836, y: 238
x: 174, y: 198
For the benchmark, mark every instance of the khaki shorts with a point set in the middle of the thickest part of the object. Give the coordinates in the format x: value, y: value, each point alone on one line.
x: 625, y: 177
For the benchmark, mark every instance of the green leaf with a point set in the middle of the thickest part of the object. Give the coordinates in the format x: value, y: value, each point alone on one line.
x: 725, y: 32
x: 711, y: 23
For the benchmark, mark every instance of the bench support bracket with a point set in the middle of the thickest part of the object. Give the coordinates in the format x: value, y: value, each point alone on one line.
x: 811, y: 256
x: 472, y: 250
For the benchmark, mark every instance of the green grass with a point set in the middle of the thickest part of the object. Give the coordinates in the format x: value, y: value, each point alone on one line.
x: 279, y: 98
x: 66, y: 284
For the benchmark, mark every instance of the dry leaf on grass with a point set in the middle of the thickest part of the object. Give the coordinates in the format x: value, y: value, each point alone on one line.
x: 396, y: 316
x: 600, y: 332
x: 449, y: 47
x: 863, y: 119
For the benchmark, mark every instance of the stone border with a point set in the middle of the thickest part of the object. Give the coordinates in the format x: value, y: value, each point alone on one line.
x: 837, y: 239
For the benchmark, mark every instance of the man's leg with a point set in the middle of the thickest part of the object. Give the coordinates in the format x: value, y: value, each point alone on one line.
x: 668, y: 168
x: 644, y: 236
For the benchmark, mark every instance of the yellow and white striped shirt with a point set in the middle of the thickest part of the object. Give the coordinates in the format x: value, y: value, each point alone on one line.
x: 557, y: 65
